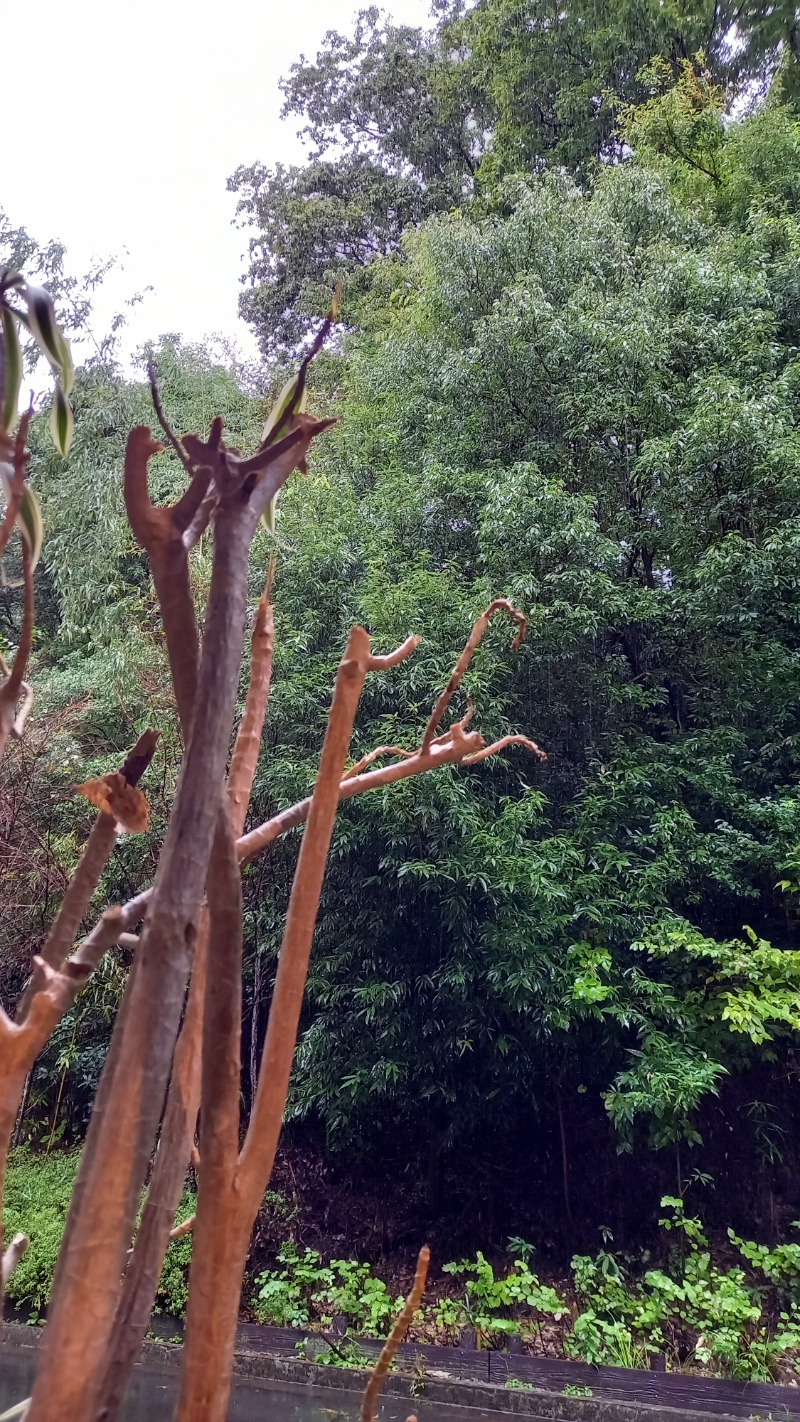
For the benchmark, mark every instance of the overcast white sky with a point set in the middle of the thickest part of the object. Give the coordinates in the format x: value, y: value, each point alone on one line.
x: 132, y: 115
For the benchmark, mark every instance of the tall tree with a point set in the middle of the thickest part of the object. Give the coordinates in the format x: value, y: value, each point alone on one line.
x: 404, y: 122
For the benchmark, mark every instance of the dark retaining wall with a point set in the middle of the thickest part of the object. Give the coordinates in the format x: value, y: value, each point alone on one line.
x: 467, y: 1378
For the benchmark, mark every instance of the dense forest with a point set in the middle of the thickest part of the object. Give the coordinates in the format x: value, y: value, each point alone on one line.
x: 542, y: 995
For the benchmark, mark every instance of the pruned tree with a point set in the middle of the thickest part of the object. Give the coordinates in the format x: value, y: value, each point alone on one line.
x: 172, y: 1055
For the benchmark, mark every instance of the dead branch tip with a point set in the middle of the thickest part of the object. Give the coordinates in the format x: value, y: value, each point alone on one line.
x: 399, y: 1330
x: 391, y: 659
x: 496, y: 746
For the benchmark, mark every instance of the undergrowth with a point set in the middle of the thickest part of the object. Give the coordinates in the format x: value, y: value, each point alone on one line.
x: 740, y: 1321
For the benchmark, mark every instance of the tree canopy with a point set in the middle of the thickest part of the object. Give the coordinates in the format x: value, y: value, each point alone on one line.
x: 403, y: 122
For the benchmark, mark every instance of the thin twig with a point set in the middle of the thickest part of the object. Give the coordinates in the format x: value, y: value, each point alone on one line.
x: 497, y: 746
x: 172, y: 438
x: 377, y: 754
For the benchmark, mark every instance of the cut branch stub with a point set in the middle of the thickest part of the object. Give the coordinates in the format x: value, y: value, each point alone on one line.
x: 86, y: 876
x: 231, y: 469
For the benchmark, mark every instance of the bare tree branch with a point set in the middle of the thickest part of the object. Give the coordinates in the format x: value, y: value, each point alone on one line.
x: 185, y: 1227
x: 248, y: 740
x: 172, y: 438
x: 160, y: 534
x: 464, y: 660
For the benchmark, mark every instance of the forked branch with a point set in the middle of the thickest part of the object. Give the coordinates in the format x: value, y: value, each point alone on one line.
x: 87, y: 874
x: 473, y: 641
x: 457, y: 746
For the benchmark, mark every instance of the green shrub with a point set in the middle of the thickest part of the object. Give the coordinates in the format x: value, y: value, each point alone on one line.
x: 490, y: 1299
x: 780, y: 1265
x: 36, y: 1198
x: 693, y: 1308
x: 305, y: 1289
x: 284, y: 1295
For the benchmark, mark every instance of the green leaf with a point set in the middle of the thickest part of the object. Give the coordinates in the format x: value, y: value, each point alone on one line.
x: 18, y: 1410
x: 280, y: 407
x: 43, y: 323
x: 67, y: 366
x: 13, y: 371
x: 269, y: 515
x: 275, y: 416
x: 62, y: 424
x: 29, y: 522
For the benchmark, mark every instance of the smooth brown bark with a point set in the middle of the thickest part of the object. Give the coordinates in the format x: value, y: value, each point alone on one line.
x: 183, y: 1098
x: 175, y: 1144
x: 222, y: 1228
x: 125, y: 1119
x: 230, y: 1195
